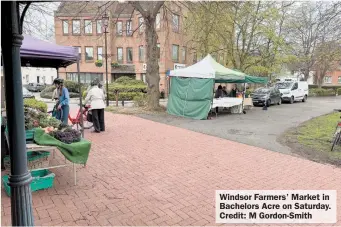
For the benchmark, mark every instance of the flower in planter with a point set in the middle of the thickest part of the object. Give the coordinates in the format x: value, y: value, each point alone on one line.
x: 114, y: 64
x: 99, y: 63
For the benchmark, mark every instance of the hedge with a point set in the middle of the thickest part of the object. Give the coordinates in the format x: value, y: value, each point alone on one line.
x: 334, y: 87
x: 72, y: 87
x: 35, y: 104
x: 322, y: 92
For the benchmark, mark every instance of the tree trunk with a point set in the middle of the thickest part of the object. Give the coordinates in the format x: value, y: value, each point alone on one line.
x: 152, y: 75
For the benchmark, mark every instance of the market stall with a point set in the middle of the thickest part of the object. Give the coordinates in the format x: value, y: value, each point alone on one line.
x: 44, y: 134
x: 191, y: 93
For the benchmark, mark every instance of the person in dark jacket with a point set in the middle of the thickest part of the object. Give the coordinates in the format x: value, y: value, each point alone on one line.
x: 218, y: 94
x: 234, y: 91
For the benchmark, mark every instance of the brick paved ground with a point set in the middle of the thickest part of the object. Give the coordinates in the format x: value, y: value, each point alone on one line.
x: 146, y: 173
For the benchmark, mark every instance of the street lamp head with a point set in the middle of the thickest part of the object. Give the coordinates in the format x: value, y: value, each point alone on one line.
x: 105, y: 20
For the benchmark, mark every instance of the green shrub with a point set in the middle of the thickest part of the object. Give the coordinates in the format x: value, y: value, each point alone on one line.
x: 126, y: 96
x: 338, y: 91
x: 335, y: 87
x: 125, y: 80
x: 35, y: 104
x: 321, y: 92
x: 48, y: 95
x: 140, y: 100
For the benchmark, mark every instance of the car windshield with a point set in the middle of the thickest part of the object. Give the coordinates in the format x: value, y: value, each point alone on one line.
x: 285, y: 85
x: 262, y: 91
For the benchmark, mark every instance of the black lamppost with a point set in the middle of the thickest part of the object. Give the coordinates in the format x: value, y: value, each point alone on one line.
x: 105, y: 20
x: 20, y: 178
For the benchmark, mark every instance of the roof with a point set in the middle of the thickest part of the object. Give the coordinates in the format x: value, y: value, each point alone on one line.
x: 38, y: 53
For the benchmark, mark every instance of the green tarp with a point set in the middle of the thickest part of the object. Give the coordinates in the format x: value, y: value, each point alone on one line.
x: 190, y: 97
x: 241, y: 79
x: 76, y: 152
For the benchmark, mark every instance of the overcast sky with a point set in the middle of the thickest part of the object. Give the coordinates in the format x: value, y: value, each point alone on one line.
x: 39, y: 20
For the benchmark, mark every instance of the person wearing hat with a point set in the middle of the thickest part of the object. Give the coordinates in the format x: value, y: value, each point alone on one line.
x: 96, y: 98
x: 63, y: 101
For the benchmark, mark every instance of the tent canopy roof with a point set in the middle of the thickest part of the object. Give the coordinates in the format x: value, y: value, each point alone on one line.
x: 38, y: 53
x: 209, y: 68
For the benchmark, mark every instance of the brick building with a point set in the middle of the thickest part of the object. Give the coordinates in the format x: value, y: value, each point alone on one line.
x: 79, y: 24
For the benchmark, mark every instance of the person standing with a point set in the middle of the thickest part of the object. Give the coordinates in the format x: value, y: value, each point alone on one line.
x: 64, y: 99
x: 234, y: 91
x: 96, y: 98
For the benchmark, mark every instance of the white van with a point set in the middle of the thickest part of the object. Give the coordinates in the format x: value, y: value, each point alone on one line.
x: 293, y: 91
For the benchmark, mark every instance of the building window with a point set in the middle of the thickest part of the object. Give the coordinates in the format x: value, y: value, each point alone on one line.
x: 119, y: 54
x: 99, y: 27
x: 89, y: 53
x: 79, y: 52
x: 76, y: 27
x: 184, y: 55
x: 328, y: 80
x: 129, y: 28
x: 85, y: 77
x: 158, y: 21
x: 129, y: 54
x: 141, y: 53
x: 141, y: 24
x: 87, y: 26
x: 339, y: 79
x: 100, y: 53
x: 119, y: 28
x: 175, y: 53
x: 175, y: 22
x: 65, y: 27
x: 158, y: 51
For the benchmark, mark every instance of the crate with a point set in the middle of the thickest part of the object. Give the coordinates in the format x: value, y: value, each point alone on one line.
x: 35, y: 159
x: 42, y: 179
x: 28, y: 133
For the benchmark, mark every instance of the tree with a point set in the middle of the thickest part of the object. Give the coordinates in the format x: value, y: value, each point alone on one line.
x: 149, y: 11
x: 311, y: 25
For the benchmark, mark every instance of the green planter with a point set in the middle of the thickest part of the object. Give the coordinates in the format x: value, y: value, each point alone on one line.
x: 42, y: 179
x: 98, y: 64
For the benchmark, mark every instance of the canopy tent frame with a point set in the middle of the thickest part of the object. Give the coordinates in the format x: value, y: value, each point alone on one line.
x: 207, y: 69
x: 20, y: 178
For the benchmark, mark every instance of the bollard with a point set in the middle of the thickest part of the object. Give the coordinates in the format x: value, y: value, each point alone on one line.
x: 122, y: 102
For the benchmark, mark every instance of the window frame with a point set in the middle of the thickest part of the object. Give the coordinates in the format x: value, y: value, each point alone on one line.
x: 90, y: 33
x: 141, y: 53
x: 184, y: 58
x: 127, y: 54
x: 75, y: 20
x: 98, y: 53
x: 141, y: 24
x: 339, y: 79
x: 129, y: 32
x: 67, y: 22
x: 97, y: 23
x: 121, y: 32
x: 173, y: 28
x: 159, y: 52
x: 175, y: 60
x: 89, y: 60
x: 329, y: 80
x: 119, y: 61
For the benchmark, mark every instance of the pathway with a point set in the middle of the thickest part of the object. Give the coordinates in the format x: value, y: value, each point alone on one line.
x: 146, y: 173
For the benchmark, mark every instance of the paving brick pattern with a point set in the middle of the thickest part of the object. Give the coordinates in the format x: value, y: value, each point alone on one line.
x: 146, y: 173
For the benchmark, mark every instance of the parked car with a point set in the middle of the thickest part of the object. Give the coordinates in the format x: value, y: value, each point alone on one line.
x: 293, y: 91
x: 34, y: 87
x: 27, y: 94
x: 268, y: 96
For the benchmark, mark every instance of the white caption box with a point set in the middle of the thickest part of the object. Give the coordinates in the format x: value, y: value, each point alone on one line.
x: 276, y: 206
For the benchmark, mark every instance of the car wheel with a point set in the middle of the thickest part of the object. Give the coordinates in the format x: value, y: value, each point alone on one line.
x: 305, y: 98
x: 279, y: 102
x: 268, y: 103
x: 292, y: 100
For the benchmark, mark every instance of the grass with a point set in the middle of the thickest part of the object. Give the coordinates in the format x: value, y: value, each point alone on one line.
x: 313, y: 139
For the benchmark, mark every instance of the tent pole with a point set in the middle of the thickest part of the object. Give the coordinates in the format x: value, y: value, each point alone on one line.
x: 19, y: 178
x: 80, y: 99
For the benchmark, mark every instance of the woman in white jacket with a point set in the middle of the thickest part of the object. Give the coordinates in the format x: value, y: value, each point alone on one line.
x: 96, y: 98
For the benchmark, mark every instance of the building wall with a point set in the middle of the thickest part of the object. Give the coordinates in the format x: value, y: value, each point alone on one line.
x: 166, y: 38
x: 332, y: 78
x: 31, y: 75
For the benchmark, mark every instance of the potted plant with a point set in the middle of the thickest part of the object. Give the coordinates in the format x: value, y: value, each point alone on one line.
x: 99, y: 63
x: 114, y: 64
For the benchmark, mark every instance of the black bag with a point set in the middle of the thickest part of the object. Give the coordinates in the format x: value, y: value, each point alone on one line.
x: 89, y: 116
